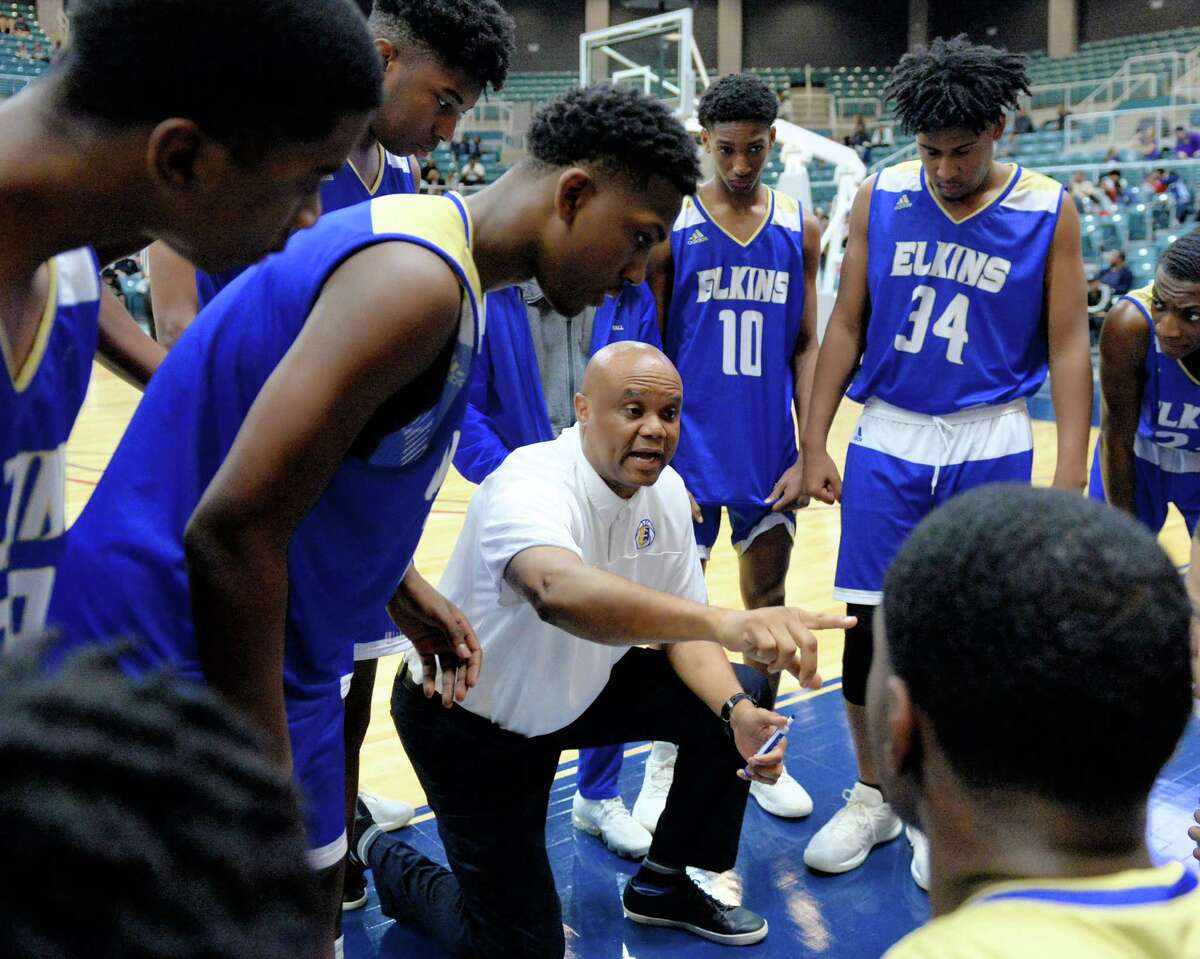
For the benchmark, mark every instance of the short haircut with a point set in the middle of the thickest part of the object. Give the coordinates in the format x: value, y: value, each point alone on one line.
x: 252, y: 75
x: 618, y: 129
x: 142, y: 819
x: 955, y: 85
x: 738, y: 97
x: 1045, y: 636
x: 1181, y: 259
x: 474, y: 36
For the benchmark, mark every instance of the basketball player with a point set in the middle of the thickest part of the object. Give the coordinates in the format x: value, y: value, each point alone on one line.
x: 437, y: 57
x: 1031, y: 678
x: 145, y: 821
x: 271, y: 488
x: 1148, y: 455
x: 124, y: 140
x: 739, y: 297
x: 962, y: 276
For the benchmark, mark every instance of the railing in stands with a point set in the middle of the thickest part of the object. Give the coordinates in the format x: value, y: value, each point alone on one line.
x: 12, y: 83
x: 1116, y: 129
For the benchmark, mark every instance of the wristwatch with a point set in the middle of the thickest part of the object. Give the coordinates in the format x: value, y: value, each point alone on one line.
x: 727, y: 710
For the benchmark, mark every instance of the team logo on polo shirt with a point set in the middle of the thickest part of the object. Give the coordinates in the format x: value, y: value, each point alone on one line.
x: 644, y: 535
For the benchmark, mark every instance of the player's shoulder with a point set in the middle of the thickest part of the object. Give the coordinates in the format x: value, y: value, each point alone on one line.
x: 77, y: 277
x: 1033, y: 192
x: 984, y: 930
x: 1140, y: 300
x: 786, y: 212
x: 898, y: 178
x: 689, y: 215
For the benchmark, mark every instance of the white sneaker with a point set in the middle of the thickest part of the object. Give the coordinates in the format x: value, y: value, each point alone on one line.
x: 610, y: 820
x: 843, y: 843
x: 388, y: 814
x: 660, y: 773
x: 785, y: 798
x: 920, y: 860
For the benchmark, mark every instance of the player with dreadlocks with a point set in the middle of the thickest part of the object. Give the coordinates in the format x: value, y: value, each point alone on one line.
x: 962, y: 280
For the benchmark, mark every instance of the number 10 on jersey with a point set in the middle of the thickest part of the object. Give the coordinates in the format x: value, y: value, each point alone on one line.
x: 950, y: 326
x: 741, y: 342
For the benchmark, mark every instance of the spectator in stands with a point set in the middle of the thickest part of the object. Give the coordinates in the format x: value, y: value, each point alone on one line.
x: 458, y: 146
x: 6, y: 24
x: 1180, y: 195
x: 23, y: 52
x: 1187, y: 143
x: 1117, y: 276
x: 1010, y: 612
x: 860, y: 138
x: 1087, y: 195
x: 1022, y: 124
x: 39, y: 53
x: 1061, y: 122
x: 1113, y: 185
x: 21, y: 28
x: 477, y: 147
x: 433, y: 178
x: 1145, y: 141
x: 474, y: 173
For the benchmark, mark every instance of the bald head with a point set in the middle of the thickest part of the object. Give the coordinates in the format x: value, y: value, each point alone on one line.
x: 628, y: 414
x: 618, y: 361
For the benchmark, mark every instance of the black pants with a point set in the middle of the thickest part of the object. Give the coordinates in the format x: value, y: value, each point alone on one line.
x: 490, y: 788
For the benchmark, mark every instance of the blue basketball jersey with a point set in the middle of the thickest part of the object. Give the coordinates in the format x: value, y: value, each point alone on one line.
x: 956, y: 305
x: 1170, y: 396
x: 735, y: 320
x: 38, y: 407
x: 351, y: 549
x: 338, y: 191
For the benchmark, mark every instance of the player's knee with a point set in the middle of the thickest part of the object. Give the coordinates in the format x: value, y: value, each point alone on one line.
x: 856, y: 655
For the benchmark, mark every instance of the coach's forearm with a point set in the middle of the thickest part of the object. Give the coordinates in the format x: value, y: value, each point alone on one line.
x: 706, y: 671
x: 609, y: 609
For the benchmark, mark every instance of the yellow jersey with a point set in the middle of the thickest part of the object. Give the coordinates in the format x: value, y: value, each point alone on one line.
x: 1142, y: 913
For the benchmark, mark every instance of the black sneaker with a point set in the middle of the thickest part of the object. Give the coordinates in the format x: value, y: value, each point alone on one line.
x: 681, y: 904
x: 365, y: 827
x: 354, y: 886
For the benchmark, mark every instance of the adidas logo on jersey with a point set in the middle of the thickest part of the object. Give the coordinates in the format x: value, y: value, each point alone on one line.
x: 696, y: 237
x: 904, y: 202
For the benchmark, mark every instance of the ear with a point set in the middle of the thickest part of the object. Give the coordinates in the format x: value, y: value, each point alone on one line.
x: 704, y: 140
x: 575, y: 185
x: 387, y: 51
x: 175, y: 150
x: 583, y: 411
x: 904, y: 743
x: 771, y: 137
x: 1001, y: 125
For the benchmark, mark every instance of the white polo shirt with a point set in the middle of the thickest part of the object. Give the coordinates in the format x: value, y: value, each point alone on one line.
x: 537, y: 678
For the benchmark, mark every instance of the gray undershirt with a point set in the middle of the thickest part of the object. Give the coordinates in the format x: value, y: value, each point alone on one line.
x: 562, y: 345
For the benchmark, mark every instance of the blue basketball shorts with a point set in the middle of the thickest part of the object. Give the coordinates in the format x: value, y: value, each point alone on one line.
x: 901, y: 465
x: 315, y: 727
x: 1161, y: 476
x: 748, y: 523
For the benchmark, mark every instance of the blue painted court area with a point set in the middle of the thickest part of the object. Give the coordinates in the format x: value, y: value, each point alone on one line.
x: 854, y: 916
